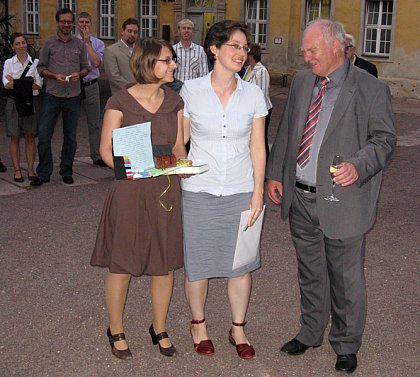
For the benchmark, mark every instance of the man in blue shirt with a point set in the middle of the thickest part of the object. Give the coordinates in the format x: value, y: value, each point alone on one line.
x: 90, y: 88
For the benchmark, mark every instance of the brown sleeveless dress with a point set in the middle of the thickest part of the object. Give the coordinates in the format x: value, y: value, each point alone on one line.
x: 136, y: 235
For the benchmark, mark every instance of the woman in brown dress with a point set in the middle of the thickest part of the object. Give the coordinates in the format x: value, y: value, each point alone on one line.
x: 136, y: 236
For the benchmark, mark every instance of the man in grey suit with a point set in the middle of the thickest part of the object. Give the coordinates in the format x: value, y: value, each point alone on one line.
x: 354, y: 118
x: 117, y: 57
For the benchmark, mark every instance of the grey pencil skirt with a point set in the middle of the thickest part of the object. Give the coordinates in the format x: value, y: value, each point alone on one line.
x: 211, y: 226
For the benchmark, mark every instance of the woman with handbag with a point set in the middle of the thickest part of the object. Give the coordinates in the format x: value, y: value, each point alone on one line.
x: 22, y: 82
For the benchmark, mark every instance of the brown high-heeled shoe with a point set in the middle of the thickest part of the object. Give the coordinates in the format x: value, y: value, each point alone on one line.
x: 244, y: 350
x: 121, y: 354
x: 205, y: 347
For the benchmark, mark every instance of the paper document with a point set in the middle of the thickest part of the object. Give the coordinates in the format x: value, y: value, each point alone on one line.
x: 248, y: 241
x: 135, y: 143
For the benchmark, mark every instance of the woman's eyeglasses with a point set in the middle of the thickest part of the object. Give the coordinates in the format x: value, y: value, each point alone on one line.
x: 168, y: 61
x: 237, y: 47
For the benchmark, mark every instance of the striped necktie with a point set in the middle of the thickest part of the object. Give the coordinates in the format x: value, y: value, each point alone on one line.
x: 310, y: 125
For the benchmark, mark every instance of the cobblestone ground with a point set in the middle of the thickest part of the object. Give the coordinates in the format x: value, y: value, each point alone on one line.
x: 53, y: 317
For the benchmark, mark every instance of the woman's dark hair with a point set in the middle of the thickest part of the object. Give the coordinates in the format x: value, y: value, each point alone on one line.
x: 220, y: 33
x: 255, y: 51
x: 16, y: 35
x: 143, y: 59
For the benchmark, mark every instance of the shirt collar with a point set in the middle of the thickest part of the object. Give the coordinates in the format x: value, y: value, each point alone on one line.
x: 339, y: 74
x: 16, y: 60
x: 58, y: 38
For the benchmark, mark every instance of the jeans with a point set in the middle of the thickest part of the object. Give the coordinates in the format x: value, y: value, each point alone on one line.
x: 52, y: 106
x: 91, y: 105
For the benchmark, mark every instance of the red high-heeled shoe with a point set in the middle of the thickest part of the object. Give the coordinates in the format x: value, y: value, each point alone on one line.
x: 244, y: 350
x: 205, y: 347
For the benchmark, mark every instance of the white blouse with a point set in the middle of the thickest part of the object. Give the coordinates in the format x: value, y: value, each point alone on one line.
x: 13, y: 67
x: 220, y: 136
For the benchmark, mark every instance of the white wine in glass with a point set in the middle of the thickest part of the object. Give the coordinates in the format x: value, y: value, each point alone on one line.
x: 336, y: 162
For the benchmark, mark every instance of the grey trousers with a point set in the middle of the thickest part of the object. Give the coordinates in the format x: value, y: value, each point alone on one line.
x: 92, y: 107
x: 331, y: 280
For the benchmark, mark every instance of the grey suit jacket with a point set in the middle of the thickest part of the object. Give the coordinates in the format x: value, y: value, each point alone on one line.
x: 117, y: 66
x: 361, y: 128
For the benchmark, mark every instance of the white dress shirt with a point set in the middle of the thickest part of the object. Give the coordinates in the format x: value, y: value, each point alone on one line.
x: 14, y: 68
x: 220, y: 136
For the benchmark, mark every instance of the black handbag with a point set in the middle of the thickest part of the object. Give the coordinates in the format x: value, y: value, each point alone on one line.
x: 22, y: 94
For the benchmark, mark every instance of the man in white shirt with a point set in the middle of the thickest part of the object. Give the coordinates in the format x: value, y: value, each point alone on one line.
x: 191, y: 58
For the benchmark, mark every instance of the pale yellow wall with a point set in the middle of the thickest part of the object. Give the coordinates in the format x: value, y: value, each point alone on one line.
x: 280, y: 14
x: 167, y: 17
x: 233, y: 9
x: 348, y: 13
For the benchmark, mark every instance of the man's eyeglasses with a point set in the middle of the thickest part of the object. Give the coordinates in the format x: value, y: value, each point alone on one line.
x: 237, y: 47
x: 65, y: 22
x: 167, y: 61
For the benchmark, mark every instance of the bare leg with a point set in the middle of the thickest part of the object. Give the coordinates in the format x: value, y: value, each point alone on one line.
x: 196, y: 293
x: 30, y: 149
x: 116, y: 288
x: 239, y: 290
x: 15, y: 155
x: 161, y: 292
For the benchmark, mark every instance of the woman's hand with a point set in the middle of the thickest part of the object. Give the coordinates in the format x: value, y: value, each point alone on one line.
x: 256, y: 206
x: 10, y: 84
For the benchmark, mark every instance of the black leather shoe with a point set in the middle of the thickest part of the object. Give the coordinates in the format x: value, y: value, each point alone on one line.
x: 18, y: 179
x: 101, y: 163
x: 37, y: 181
x: 346, y: 363
x: 169, y: 351
x: 121, y: 354
x: 68, y: 180
x: 294, y: 347
x: 2, y: 167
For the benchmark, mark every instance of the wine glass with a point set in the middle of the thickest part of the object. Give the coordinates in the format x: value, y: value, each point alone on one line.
x: 336, y: 161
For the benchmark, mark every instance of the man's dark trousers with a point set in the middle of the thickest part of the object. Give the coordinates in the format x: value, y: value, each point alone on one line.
x: 52, y: 106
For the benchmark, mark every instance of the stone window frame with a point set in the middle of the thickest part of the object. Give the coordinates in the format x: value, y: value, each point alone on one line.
x: 31, y: 16
x: 149, y: 18
x: 378, y: 27
x: 107, y: 19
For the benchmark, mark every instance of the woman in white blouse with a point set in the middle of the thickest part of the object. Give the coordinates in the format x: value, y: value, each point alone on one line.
x: 17, y: 126
x: 224, y: 120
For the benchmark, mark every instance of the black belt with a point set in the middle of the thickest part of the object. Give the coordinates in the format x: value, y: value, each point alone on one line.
x: 89, y: 83
x: 306, y: 187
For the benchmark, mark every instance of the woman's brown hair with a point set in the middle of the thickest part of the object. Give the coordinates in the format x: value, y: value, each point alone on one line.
x: 143, y: 59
